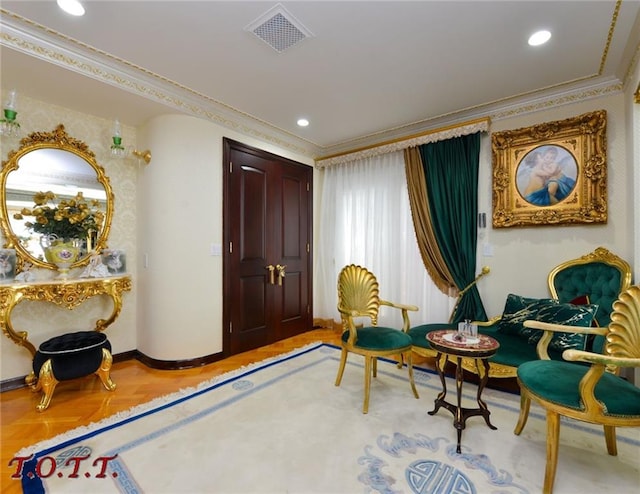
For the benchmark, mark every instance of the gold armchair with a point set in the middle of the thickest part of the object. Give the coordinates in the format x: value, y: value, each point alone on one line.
x: 358, y: 296
x: 591, y: 393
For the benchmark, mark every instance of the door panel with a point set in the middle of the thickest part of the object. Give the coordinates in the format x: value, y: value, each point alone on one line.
x: 267, y: 212
x: 296, y: 305
x: 249, y: 289
x: 252, y: 325
x: 253, y: 204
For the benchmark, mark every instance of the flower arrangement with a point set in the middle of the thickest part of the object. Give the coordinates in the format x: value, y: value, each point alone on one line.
x: 65, y: 218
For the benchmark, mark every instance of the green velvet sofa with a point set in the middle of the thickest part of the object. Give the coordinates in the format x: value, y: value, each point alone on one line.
x: 590, y: 283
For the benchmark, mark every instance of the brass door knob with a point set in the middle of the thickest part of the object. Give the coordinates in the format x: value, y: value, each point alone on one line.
x: 281, y: 272
x: 272, y: 270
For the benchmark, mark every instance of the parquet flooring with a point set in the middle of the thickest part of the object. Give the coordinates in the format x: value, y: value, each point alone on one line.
x: 83, y: 401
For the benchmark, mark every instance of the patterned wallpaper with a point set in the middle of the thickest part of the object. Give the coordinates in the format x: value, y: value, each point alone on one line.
x: 43, y: 320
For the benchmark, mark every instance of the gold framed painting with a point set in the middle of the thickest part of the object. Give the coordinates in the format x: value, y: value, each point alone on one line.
x: 551, y: 173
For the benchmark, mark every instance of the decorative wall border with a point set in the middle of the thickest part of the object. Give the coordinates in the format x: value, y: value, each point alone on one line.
x: 48, y: 45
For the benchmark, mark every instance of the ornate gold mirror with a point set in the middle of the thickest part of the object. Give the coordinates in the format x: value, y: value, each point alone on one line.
x: 53, y: 185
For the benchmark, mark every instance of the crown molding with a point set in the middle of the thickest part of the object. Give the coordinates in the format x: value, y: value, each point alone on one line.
x: 45, y: 44
x: 50, y: 46
x: 590, y: 88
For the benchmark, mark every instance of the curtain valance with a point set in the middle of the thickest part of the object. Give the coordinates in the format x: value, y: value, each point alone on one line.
x: 466, y: 128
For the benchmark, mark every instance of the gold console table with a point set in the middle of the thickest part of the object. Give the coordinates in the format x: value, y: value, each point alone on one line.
x: 69, y: 293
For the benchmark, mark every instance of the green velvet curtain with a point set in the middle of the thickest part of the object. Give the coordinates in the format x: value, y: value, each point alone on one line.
x: 451, y: 170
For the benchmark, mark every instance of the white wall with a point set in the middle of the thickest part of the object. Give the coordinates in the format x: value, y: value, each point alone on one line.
x: 180, y: 309
x: 524, y: 256
x: 633, y: 150
x: 633, y: 135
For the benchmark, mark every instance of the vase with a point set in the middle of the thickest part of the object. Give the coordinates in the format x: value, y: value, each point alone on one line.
x: 62, y: 252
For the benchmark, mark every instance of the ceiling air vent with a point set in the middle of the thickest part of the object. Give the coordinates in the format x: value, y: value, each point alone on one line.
x: 279, y: 29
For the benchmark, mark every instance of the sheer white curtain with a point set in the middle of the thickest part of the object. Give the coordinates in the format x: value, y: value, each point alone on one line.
x: 365, y: 219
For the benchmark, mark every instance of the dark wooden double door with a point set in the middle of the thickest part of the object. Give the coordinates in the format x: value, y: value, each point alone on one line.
x: 267, y: 257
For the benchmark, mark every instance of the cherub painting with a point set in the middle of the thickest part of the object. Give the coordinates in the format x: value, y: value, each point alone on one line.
x: 551, y: 173
x: 546, y: 175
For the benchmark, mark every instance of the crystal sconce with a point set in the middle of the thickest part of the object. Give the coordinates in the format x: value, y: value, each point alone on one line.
x: 8, y: 125
x: 118, y: 150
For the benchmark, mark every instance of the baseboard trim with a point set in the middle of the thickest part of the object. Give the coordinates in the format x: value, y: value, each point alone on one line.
x: 326, y: 324
x: 19, y: 382
x: 13, y: 383
x: 124, y: 356
x: 178, y: 364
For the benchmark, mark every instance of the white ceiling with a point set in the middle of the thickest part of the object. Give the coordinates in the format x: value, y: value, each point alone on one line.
x: 371, y: 71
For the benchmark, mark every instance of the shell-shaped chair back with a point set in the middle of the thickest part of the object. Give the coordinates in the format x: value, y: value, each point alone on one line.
x: 623, y: 338
x: 358, y: 291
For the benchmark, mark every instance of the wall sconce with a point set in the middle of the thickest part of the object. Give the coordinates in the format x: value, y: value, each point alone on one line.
x: 8, y: 125
x: 118, y: 150
x: 143, y: 155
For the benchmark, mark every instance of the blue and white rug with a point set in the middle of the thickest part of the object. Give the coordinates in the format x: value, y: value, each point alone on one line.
x: 282, y: 426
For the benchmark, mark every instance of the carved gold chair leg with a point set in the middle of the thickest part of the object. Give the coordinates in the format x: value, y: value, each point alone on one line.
x: 411, y: 380
x: 443, y: 360
x: 525, y: 404
x: 375, y: 366
x: 343, y: 362
x: 104, y: 370
x: 553, y: 437
x: 47, y: 383
x: 610, y: 438
x: 369, y: 365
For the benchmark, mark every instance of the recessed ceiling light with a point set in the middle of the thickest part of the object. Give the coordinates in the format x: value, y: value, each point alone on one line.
x: 539, y: 38
x: 73, y: 7
x: 303, y: 122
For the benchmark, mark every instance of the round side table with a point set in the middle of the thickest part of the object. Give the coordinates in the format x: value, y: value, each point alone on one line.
x: 480, y: 348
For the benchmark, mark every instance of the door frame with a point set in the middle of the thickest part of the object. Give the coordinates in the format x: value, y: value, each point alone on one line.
x: 228, y: 145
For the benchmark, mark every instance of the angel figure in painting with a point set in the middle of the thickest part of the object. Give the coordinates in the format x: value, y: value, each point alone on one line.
x: 547, y: 182
x: 558, y: 184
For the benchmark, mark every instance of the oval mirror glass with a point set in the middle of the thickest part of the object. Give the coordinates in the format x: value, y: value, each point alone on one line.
x: 65, y: 171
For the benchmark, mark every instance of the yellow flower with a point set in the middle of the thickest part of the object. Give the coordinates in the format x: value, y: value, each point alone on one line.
x: 69, y: 218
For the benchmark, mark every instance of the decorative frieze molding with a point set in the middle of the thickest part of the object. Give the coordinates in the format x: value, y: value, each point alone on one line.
x: 45, y: 44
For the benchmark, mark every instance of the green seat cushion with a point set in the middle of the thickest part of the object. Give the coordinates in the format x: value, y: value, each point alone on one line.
x: 379, y: 338
x: 558, y: 382
x: 513, y: 350
x: 419, y: 333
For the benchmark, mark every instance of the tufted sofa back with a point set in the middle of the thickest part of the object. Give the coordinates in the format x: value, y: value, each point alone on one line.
x: 601, y: 276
